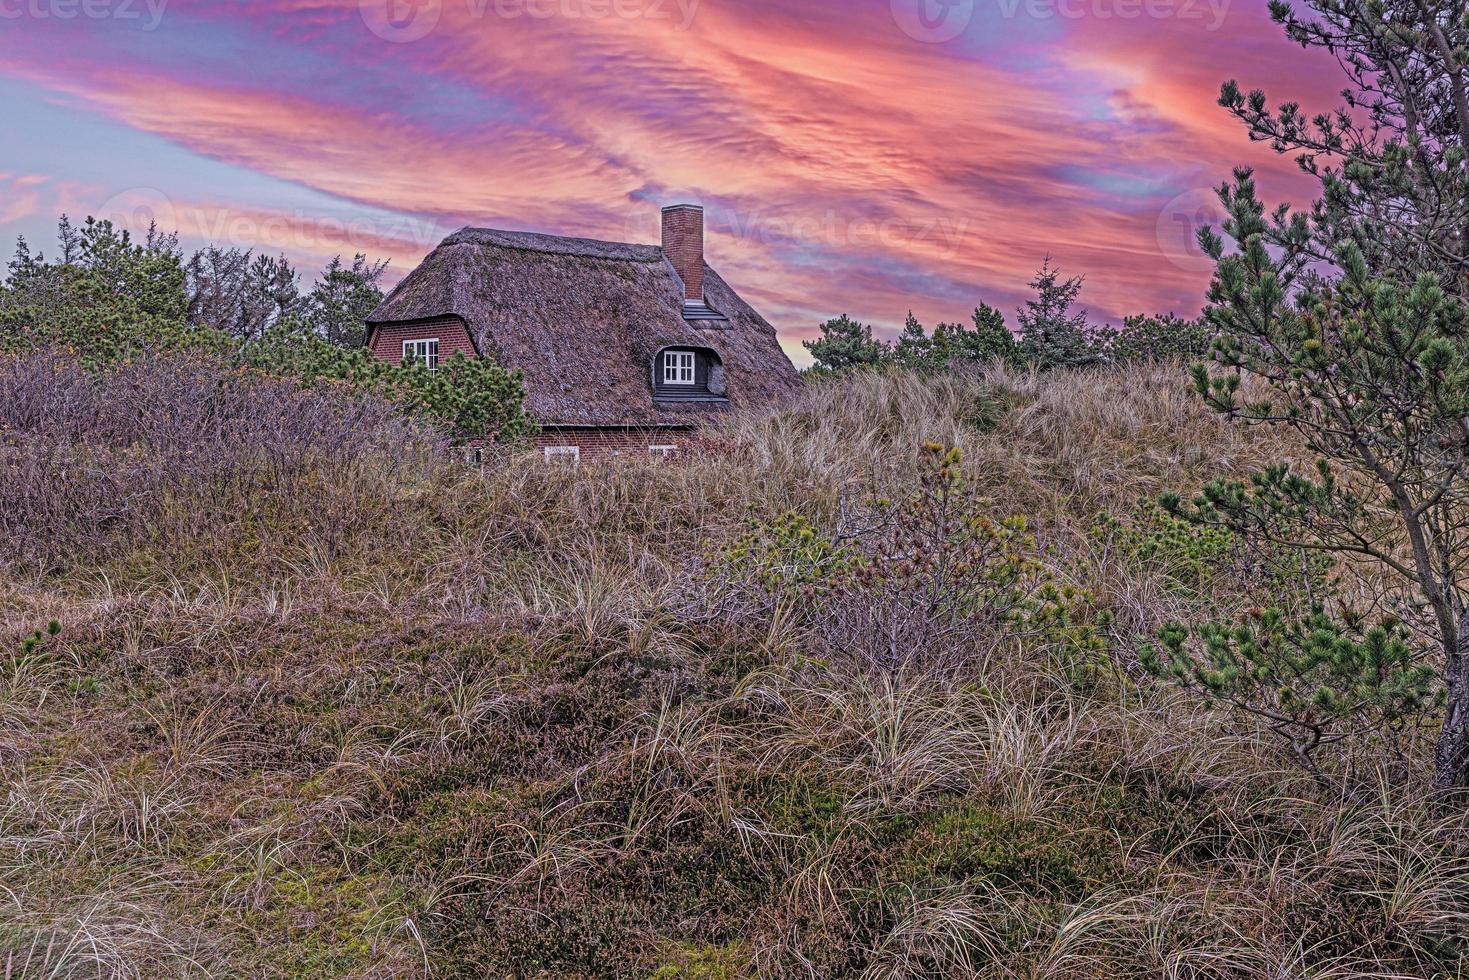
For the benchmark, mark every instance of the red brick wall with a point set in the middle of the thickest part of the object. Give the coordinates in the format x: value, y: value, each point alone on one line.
x: 683, y: 244
x: 606, y: 443
x: 387, y: 339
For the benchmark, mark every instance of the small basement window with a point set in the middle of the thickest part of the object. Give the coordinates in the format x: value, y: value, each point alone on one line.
x: 563, y: 454
x: 424, y: 352
x: 662, y: 452
x: 678, y: 367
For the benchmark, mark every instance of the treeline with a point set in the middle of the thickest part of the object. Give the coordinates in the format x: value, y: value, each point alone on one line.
x: 1051, y: 335
x: 107, y: 298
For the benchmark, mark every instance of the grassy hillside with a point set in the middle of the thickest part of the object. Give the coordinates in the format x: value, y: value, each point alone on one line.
x: 323, y: 704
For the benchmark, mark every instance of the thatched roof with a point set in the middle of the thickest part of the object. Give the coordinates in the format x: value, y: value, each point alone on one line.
x: 584, y: 321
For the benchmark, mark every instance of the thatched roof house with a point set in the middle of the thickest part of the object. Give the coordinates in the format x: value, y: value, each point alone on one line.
x: 623, y: 347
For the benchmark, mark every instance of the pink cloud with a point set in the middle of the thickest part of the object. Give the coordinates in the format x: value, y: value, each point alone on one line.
x: 845, y: 166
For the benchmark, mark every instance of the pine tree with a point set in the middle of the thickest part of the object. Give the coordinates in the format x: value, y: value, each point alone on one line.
x: 110, y: 298
x: 989, y: 340
x: 914, y: 349
x: 1051, y: 335
x: 341, y: 300
x: 240, y: 293
x: 1153, y: 338
x: 1351, y: 319
x: 846, y: 344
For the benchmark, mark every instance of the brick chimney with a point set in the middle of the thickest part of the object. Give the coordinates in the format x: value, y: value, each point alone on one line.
x: 683, y: 245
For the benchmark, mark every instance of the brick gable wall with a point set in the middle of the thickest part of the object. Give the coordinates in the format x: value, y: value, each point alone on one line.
x: 387, y: 339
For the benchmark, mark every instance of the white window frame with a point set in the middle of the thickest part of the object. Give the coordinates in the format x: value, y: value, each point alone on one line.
x: 680, y: 367
x: 563, y: 454
x: 663, y: 452
x: 425, y: 349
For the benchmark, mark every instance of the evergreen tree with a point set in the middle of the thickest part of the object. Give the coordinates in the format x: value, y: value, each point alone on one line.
x: 113, y: 299
x: 846, y: 344
x: 1393, y: 160
x: 341, y: 300
x: 1351, y: 319
x: 914, y: 348
x: 240, y: 293
x: 989, y: 340
x: 469, y: 397
x: 110, y: 298
x: 1050, y: 334
x: 1153, y: 338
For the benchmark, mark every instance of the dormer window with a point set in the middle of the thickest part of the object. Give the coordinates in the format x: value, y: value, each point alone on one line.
x: 679, y: 368
x: 425, y: 352
x: 688, y: 374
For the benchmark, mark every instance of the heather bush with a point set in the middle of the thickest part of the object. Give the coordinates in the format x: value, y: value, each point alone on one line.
x: 174, y: 449
x: 944, y: 583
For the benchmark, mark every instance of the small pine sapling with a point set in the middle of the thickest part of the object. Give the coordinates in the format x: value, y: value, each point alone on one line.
x: 1314, y: 680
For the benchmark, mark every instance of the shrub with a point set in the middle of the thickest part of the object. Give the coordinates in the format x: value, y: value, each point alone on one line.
x: 942, y: 582
x: 1154, y: 338
x: 1314, y: 680
x: 787, y: 557
x: 1190, y: 558
x: 92, y: 461
x: 470, y: 398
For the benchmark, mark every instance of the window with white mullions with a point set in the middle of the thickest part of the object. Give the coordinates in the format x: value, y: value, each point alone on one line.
x: 678, y: 367
x: 425, y: 352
